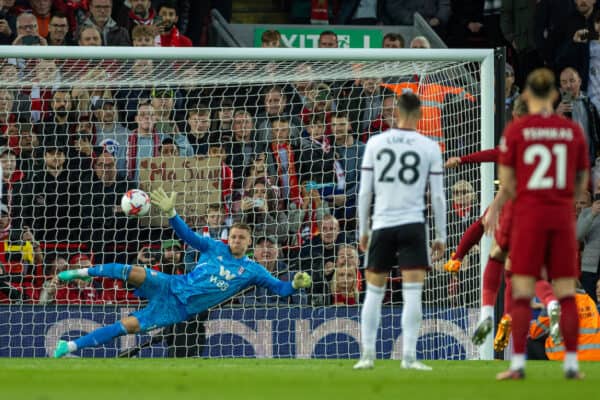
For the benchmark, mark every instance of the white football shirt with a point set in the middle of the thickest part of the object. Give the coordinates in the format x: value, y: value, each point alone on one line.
x: 397, y: 166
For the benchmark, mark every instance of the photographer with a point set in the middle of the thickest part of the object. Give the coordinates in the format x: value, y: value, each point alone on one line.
x: 575, y: 105
x: 588, y: 233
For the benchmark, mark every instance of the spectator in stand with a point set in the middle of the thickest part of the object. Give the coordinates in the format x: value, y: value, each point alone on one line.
x: 345, y: 281
x: 577, y: 106
x: 463, y: 211
x: 224, y: 120
x: 57, y: 125
x: 270, y: 38
x: 282, y: 162
x: 267, y: 254
x: 168, y: 148
x: 316, y: 157
x: 241, y: 149
x: 359, y: 12
x: 420, y: 42
x: 58, y: 31
x: 275, y: 105
x: 144, y: 141
x: 198, y: 129
x: 49, y: 203
x: 216, y: 149
x: 29, y: 150
x: 8, y: 25
x: 89, y: 35
x: 42, y: 9
x: 213, y: 224
x: 128, y: 99
x: 348, y: 155
x: 78, y: 291
x: 38, y: 99
x: 163, y: 101
x: 363, y: 103
x: 582, y: 202
x: 384, y: 121
x: 140, y: 13
x: 511, y: 92
x: 143, y: 36
x: 401, y: 12
x: 328, y: 40
x: 100, y: 17
x: 466, y: 28
x: 169, y: 35
x: 588, y: 233
x: 320, y: 102
x: 111, y: 135
x: 299, y: 92
x: 10, y: 174
x: 104, y: 224
x: 393, y: 40
x: 259, y: 210
x: 317, y: 257
x: 7, y: 103
x: 517, y: 21
x: 27, y: 31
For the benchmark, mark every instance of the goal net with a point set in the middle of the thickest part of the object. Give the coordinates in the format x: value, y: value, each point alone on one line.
x: 272, y: 139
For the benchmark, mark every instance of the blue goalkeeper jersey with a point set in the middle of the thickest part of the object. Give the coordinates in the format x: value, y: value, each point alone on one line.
x: 218, y: 275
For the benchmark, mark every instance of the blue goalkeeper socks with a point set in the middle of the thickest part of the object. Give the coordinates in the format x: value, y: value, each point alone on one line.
x: 112, y: 270
x: 101, y: 336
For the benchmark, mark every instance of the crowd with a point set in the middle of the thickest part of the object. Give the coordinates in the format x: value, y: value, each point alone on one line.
x: 289, y: 154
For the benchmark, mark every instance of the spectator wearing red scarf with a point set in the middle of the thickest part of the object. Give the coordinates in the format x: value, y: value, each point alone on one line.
x: 346, y: 279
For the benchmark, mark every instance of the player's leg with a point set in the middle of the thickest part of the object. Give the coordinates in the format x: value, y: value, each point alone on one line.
x: 412, y: 317
x: 379, y: 260
x: 129, y: 273
x: 492, y: 279
x: 504, y: 328
x: 544, y: 292
x: 470, y: 238
x: 562, y: 269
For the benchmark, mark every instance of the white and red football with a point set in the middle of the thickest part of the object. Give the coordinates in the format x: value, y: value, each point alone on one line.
x: 135, y: 203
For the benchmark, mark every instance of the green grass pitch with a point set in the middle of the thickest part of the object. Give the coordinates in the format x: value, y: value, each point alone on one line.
x: 247, y: 379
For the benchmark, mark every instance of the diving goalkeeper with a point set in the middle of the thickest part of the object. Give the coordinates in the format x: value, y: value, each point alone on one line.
x: 222, y: 271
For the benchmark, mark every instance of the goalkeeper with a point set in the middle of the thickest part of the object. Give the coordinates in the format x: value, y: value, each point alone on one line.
x: 222, y: 271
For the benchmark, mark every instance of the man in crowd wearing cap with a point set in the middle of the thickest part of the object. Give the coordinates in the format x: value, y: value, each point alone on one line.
x: 111, y: 135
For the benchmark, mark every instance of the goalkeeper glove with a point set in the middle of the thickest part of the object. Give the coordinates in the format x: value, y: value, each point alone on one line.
x: 163, y: 201
x: 301, y: 281
x: 452, y: 265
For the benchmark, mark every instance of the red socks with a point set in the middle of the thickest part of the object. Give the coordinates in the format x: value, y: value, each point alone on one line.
x: 507, y: 292
x: 491, y: 281
x: 470, y: 238
x: 521, y: 317
x: 569, y: 323
x: 544, y: 292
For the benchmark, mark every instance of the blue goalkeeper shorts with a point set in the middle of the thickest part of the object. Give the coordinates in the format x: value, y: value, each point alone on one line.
x: 164, y: 308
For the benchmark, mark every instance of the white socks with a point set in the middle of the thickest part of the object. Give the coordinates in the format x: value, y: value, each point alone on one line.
x: 571, y: 363
x: 412, y: 315
x: 370, y: 317
x: 486, y: 312
x: 517, y: 361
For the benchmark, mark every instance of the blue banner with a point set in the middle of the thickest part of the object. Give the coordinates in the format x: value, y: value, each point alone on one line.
x: 281, y: 332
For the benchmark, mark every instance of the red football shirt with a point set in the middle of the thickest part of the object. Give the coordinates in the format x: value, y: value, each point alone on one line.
x: 546, y: 152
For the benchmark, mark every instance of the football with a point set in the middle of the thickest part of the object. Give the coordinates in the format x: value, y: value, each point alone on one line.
x: 135, y: 203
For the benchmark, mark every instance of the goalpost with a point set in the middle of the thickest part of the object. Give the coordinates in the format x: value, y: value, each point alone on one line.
x: 235, y: 104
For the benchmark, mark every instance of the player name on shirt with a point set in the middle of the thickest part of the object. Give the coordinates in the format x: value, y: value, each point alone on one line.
x: 548, y: 133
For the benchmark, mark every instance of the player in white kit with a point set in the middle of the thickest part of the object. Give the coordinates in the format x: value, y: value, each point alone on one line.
x: 397, y: 167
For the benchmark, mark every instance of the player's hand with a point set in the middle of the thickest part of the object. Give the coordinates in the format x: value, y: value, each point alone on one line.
x: 163, y: 201
x: 438, y: 248
x: 301, y: 280
x: 452, y: 162
x: 363, y: 244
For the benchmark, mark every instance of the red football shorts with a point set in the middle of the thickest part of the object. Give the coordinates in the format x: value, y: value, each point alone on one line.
x: 534, y: 245
x: 503, y: 229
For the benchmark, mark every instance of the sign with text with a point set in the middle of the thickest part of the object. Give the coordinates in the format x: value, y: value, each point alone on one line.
x: 309, y: 37
x: 275, y: 332
x: 197, y: 181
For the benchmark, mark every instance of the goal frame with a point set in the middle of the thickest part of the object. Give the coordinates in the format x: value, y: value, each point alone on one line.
x: 483, y: 56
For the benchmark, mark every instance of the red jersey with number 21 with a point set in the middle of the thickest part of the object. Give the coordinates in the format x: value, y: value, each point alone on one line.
x: 546, y: 152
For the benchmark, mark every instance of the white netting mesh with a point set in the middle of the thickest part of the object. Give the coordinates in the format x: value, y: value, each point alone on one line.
x: 276, y: 145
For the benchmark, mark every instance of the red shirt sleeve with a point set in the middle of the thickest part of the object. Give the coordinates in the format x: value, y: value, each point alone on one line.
x: 490, y: 155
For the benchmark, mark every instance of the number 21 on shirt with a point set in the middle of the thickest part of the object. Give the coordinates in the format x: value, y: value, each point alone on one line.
x: 541, y: 156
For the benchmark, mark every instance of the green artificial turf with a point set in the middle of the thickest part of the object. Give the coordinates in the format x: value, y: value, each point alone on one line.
x: 246, y: 379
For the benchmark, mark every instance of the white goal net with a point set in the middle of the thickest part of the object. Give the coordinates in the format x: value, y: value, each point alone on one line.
x: 271, y: 139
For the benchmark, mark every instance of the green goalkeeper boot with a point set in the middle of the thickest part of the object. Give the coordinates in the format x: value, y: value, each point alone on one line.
x: 62, y: 349
x: 71, y: 274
